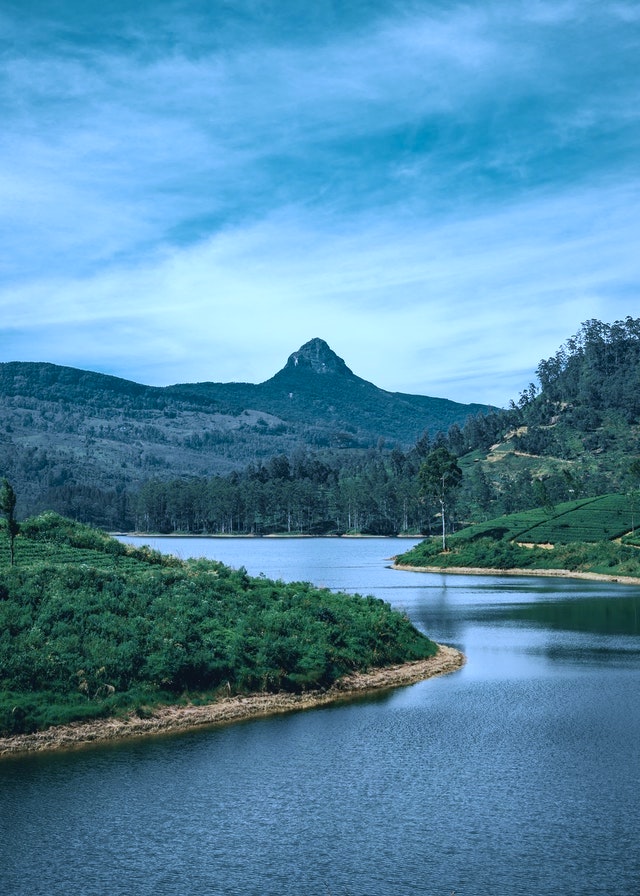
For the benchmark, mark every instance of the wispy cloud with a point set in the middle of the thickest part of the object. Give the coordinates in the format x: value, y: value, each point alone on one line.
x: 425, y: 303
x: 443, y: 192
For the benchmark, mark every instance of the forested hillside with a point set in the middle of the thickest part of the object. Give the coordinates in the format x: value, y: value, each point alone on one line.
x: 83, y: 443
x: 574, y: 433
x: 585, y: 414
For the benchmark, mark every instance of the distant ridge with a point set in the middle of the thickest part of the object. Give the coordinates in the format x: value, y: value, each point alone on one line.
x: 318, y: 389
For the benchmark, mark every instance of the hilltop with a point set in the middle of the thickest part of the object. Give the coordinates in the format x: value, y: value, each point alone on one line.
x: 318, y: 393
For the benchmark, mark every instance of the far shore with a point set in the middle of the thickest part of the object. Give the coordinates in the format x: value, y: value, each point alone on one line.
x: 223, y: 535
x: 177, y: 719
x: 551, y: 573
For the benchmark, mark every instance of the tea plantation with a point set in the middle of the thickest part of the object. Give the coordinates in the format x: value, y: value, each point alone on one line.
x: 90, y: 627
x: 597, y: 535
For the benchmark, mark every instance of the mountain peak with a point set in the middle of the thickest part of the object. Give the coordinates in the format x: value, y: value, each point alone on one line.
x: 316, y: 356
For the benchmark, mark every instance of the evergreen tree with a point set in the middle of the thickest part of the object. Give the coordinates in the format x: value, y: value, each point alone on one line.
x: 8, y: 507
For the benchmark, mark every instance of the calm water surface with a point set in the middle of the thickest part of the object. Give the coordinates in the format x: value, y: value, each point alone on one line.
x: 519, y: 774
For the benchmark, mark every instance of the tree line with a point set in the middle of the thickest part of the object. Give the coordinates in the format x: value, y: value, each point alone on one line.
x: 376, y: 493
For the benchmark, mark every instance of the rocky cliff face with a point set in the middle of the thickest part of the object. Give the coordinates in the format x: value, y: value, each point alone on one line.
x: 316, y: 356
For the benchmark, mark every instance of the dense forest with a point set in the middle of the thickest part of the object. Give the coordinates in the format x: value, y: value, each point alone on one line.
x: 376, y: 493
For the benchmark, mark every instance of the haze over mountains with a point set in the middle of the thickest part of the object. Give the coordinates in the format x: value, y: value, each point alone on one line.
x: 63, y: 427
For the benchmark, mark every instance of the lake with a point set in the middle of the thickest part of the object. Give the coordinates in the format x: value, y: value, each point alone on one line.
x: 519, y: 774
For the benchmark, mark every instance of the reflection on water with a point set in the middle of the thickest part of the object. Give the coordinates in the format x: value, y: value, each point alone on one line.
x: 517, y: 775
x: 594, y: 615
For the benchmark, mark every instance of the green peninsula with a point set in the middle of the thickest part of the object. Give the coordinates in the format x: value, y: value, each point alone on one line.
x: 91, y: 629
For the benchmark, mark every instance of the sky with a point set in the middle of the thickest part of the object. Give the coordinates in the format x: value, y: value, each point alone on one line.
x: 443, y: 191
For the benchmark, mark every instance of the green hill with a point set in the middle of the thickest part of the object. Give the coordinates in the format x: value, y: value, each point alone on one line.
x: 601, y: 518
x: 591, y: 535
x: 574, y: 434
x: 554, y: 481
x: 92, y: 628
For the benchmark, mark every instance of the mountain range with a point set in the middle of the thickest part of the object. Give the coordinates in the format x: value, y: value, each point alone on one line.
x: 65, y: 427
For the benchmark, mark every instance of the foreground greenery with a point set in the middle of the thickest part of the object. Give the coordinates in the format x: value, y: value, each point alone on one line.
x: 90, y: 628
x: 587, y: 535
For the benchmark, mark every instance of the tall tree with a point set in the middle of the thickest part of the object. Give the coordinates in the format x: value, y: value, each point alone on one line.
x: 439, y: 476
x: 8, y: 507
x: 633, y: 475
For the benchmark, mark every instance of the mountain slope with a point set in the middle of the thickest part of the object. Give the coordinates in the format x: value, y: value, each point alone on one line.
x: 68, y: 432
x: 316, y: 388
x: 576, y: 436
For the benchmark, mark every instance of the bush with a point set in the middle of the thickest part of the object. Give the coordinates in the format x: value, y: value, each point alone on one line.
x: 81, y: 640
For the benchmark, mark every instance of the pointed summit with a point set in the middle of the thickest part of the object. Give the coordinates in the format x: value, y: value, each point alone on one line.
x: 316, y: 356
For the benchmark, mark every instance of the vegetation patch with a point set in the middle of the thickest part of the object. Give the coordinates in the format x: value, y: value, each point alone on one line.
x: 91, y: 628
x: 583, y: 535
x: 587, y: 519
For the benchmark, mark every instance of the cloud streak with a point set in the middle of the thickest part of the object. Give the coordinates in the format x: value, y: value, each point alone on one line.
x: 443, y: 193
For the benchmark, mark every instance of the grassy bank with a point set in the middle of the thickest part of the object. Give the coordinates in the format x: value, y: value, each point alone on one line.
x: 592, y: 535
x: 176, y: 718
x: 92, y: 629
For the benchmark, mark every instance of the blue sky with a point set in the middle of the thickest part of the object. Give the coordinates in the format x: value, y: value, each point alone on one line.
x: 443, y: 191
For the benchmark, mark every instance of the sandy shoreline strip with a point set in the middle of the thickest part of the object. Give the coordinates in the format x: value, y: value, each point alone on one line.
x: 173, y: 719
x: 552, y: 573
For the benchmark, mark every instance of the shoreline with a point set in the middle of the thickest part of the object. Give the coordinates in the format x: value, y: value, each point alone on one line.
x: 178, y: 719
x: 249, y: 535
x: 551, y: 573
